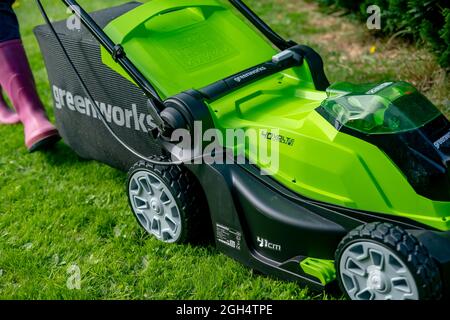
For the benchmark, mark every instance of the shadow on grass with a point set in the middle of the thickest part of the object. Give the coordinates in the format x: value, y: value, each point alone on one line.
x: 62, y: 155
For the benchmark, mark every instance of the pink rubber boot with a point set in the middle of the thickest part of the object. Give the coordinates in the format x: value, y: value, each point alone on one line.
x: 7, y: 116
x: 18, y: 82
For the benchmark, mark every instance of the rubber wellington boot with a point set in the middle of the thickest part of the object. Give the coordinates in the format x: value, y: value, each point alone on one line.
x: 17, y: 80
x: 7, y: 116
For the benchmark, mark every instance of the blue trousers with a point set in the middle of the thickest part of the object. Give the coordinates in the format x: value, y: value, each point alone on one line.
x: 9, y: 26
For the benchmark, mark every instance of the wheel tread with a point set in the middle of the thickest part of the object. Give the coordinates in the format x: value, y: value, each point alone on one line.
x: 188, y: 194
x: 414, y: 254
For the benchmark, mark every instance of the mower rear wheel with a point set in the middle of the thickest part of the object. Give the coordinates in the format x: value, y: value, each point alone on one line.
x: 380, y: 261
x: 166, y: 201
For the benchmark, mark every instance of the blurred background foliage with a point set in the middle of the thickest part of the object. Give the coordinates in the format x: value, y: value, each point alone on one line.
x: 422, y: 21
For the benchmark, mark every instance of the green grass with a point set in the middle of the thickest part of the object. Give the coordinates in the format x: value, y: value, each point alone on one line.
x: 57, y: 210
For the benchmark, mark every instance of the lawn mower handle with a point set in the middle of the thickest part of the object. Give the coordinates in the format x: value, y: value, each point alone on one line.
x: 156, y: 105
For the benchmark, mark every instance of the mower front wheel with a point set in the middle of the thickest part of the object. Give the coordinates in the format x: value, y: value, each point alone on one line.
x: 380, y: 261
x: 166, y: 201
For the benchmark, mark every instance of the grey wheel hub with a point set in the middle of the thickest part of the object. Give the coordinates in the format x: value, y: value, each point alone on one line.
x: 155, y: 206
x: 376, y: 280
x: 370, y: 271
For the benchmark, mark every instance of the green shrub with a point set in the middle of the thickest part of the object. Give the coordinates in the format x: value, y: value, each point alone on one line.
x: 425, y: 21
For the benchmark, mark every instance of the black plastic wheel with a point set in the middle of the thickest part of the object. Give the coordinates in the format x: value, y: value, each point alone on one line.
x: 381, y: 261
x: 168, y: 202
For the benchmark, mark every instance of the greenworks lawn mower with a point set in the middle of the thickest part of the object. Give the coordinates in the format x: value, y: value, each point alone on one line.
x: 361, y: 195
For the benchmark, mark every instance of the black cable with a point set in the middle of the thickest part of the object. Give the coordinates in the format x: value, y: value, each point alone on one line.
x: 90, y: 96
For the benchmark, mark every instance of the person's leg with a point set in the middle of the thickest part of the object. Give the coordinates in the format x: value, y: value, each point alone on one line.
x: 9, y: 26
x: 9, y: 30
x: 17, y: 80
x: 7, y: 116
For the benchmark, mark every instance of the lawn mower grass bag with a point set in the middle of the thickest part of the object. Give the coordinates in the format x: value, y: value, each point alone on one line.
x: 123, y: 104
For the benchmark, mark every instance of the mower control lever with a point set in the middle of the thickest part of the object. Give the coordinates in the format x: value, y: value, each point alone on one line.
x: 164, y: 120
x: 284, y: 60
x: 286, y: 55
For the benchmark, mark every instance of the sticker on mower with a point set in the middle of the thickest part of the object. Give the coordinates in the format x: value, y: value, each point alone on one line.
x: 264, y: 243
x: 229, y: 237
x: 438, y: 144
x: 278, y: 138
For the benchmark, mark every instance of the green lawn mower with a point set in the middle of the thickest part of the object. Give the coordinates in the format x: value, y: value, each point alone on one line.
x: 360, y: 194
